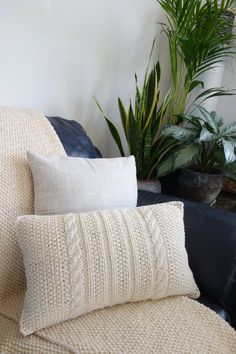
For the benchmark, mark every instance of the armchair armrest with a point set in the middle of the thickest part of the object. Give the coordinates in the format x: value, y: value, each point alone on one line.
x: 211, y: 247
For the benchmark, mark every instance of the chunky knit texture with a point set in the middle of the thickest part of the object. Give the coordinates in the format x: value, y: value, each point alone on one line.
x: 20, y: 130
x: 12, y: 341
x: 175, y: 325
x: 81, y: 262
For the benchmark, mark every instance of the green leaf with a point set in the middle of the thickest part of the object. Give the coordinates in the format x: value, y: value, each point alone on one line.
x: 132, y: 131
x: 138, y: 105
x: 219, y: 120
x: 151, y: 95
x: 192, y: 120
x: 206, y: 136
x: 232, y: 140
x: 209, y: 119
x: 214, y: 92
x: 229, y: 130
x: 112, y: 129
x: 200, y: 38
x: 184, y: 156
x: 196, y: 83
x: 179, y: 133
x: 228, y: 151
x: 147, y: 146
x: 123, y: 115
x: 115, y: 136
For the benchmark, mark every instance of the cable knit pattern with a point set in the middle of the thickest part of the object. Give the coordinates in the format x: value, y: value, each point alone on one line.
x: 75, y: 260
x: 82, y: 262
x: 160, y: 252
x: 20, y: 130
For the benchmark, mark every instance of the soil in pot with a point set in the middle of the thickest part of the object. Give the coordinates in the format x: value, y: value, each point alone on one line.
x: 199, y: 187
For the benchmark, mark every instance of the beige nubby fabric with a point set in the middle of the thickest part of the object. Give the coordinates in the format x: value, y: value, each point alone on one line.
x: 20, y: 130
x: 176, y: 325
x: 81, y: 262
x: 65, y: 185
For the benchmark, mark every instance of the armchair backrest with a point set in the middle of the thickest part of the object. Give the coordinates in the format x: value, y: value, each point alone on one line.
x: 20, y: 130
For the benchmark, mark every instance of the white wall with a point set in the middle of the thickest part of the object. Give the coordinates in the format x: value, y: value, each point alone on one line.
x: 56, y: 55
x: 226, y: 106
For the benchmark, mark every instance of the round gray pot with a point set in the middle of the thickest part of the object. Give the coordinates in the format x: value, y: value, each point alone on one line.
x: 199, y: 187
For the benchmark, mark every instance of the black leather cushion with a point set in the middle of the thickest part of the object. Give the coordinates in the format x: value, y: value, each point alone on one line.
x: 74, y: 138
x: 211, y: 247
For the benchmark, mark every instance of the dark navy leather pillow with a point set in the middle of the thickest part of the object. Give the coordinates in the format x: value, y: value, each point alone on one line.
x: 74, y: 138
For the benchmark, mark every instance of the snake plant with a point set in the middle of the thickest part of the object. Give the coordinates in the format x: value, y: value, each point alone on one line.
x: 141, y: 123
x: 203, y: 141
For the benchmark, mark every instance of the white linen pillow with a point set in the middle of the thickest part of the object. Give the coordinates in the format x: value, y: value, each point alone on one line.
x: 78, y: 263
x: 70, y: 184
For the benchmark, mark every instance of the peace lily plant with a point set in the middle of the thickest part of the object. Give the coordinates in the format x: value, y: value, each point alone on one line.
x: 202, y: 142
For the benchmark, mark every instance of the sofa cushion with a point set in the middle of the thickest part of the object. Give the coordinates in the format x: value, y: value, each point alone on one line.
x: 74, y: 138
x: 68, y: 184
x: 77, y: 263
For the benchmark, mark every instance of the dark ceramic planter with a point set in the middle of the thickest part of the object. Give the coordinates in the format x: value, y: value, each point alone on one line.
x: 199, y: 187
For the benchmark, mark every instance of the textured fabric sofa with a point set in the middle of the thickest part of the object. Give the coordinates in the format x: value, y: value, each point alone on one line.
x: 210, y: 233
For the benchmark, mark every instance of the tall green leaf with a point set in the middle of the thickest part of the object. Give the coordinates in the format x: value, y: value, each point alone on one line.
x: 112, y: 128
x: 132, y: 130
x: 115, y: 135
x: 123, y: 115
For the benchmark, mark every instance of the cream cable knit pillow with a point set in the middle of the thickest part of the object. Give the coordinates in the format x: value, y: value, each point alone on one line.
x: 77, y: 263
x: 65, y: 185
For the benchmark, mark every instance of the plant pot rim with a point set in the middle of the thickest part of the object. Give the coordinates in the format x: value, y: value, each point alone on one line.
x: 195, y: 171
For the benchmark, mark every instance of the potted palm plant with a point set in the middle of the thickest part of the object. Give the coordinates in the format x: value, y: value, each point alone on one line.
x: 200, y: 38
x: 206, y: 148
